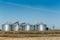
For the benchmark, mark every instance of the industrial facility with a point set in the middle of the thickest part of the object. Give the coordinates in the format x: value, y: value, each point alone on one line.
x: 23, y: 27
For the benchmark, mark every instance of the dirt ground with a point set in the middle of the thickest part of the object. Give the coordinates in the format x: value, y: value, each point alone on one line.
x: 31, y: 38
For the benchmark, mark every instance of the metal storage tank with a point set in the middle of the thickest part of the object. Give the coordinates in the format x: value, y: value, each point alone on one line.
x: 22, y: 26
x: 32, y: 27
x: 42, y: 27
x: 25, y: 27
x: 36, y: 27
x: 6, y: 27
x: 15, y: 26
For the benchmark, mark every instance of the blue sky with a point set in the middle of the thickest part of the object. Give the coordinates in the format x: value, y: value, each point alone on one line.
x: 31, y: 11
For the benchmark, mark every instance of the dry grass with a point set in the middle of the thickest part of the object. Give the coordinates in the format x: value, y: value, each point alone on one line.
x: 49, y: 33
x: 30, y: 35
x: 31, y: 38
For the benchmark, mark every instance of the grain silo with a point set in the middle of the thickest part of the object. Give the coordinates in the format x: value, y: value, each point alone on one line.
x: 42, y: 27
x: 36, y: 27
x: 6, y: 27
x: 32, y: 27
x: 22, y: 26
x: 15, y: 26
x: 25, y: 27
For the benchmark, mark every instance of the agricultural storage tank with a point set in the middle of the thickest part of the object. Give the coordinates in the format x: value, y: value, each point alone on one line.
x: 25, y: 27
x: 42, y: 27
x: 22, y: 26
x: 36, y: 27
x: 6, y: 27
x: 15, y: 26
